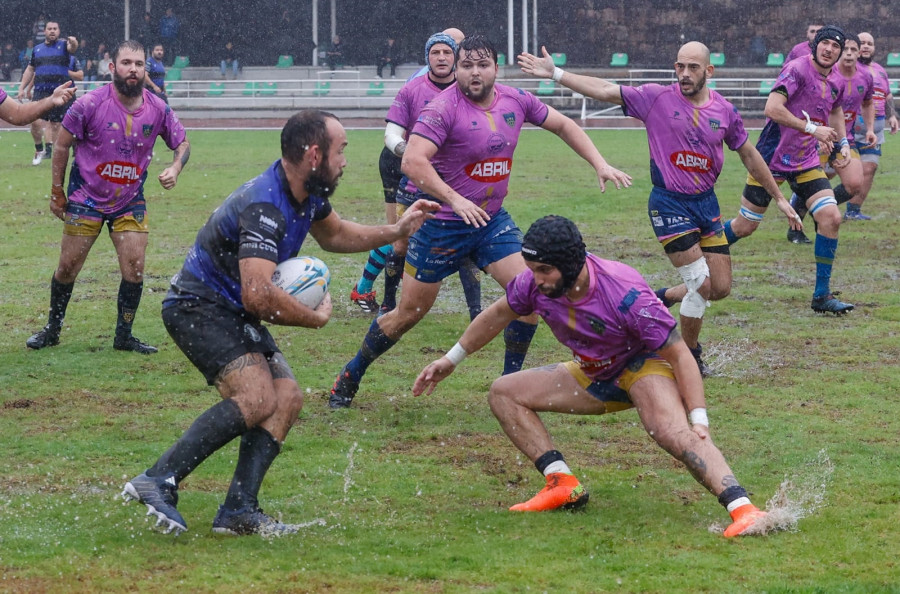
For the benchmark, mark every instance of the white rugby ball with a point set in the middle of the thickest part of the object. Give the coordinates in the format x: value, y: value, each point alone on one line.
x: 306, y: 278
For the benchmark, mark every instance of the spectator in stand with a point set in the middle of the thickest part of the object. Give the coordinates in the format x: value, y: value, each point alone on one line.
x: 143, y: 31
x: 103, y: 73
x: 229, y: 60
x: 86, y: 59
x: 804, y: 48
x: 169, y: 27
x: 25, y: 54
x: 390, y: 54
x: 334, y: 57
x: 7, y: 61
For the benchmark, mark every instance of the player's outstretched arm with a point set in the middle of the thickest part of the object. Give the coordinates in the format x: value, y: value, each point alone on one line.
x: 596, y: 88
x: 335, y: 234
x: 417, y: 166
x: 169, y: 176
x: 572, y: 134
x: 487, y: 325
x: 20, y: 114
x: 757, y: 167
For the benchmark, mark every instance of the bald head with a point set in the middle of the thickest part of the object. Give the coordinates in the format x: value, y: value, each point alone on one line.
x: 694, y: 51
x: 866, y: 47
x: 456, y: 34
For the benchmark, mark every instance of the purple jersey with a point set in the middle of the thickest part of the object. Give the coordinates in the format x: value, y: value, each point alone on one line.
x: 856, y: 90
x: 409, y: 102
x: 686, y: 153
x: 114, y: 147
x: 807, y: 90
x: 2, y: 96
x: 798, y: 51
x: 619, y: 318
x: 476, y: 145
x: 882, y: 86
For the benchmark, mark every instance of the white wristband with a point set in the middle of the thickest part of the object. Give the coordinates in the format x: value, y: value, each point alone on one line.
x: 698, y: 417
x: 811, y: 128
x: 456, y: 354
x: 557, y: 73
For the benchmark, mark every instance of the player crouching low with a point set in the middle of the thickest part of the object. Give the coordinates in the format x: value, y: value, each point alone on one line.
x: 627, y: 354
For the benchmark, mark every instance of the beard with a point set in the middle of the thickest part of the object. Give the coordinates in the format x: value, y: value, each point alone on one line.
x: 125, y: 89
x: 864, y: 60
x: 553, y: 292
x: 695, y: 88
x: 317, y: 185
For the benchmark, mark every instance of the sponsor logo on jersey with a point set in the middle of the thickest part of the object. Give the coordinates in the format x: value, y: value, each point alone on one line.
x: 691, y: 162
x: 628, y: 300
x: 119, y: 172
x: 490, y: 170
x: 148, y: 130
x: 510, y: 119
x: 268, y: 223
x: 496, y: 142
x: 714, y: 124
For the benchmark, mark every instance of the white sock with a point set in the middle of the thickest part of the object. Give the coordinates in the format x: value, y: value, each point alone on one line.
x: 558, y: 466
x: 737, y: 503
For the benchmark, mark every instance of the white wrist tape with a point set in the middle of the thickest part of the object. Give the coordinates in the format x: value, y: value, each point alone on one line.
x: 810, y: 127
x: 698, y: 417
x: 557, y: 73
x: 456, y: 354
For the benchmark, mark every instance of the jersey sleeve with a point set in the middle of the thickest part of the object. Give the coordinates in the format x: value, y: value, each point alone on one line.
x: 173, y: 131
x: 258, y: 236
x: 789, y: 80
x: 736, y: 135
x: 520, y: 293
x: 637, y: 101
x: 646, y: 317
x: 434, y: 121
x: 535, y: 111
x: 75, y: 120
x: 399, y: 112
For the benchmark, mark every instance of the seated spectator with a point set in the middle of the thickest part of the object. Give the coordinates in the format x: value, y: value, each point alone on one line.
x: 390, y: 54
x: 229, y: 60
x: 103, y: 73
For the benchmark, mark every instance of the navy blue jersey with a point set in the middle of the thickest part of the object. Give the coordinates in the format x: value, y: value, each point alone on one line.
x: 51, y: 66
x: 261, y: 219
x: 156, y: 70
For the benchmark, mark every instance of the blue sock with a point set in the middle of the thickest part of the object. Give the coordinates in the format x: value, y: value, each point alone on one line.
x: 470, y: 277
x: 392, y: 278
x: 374, y: 266
x: 517, y: 337
x: 374, y: 345
x: 729, y: 233
x: 825, y: 249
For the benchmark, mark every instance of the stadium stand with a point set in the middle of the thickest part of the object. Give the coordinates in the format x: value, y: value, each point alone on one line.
x: 765, y: 87
x: 285, y: 62
x: 181, y: 62
x: 559, y: 59
x: 375, y: 88
x: 173, y: 74
x: 717, y: 59
x: 546, y: 87
x: 216, y: 89
x: 501, y: 59
x: 893, y: 59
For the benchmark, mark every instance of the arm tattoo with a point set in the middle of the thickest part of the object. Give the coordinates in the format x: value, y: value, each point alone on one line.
x: 184, y: 155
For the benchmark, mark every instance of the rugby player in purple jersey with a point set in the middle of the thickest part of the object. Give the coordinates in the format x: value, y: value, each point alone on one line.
x: 460, y: 153
x: 687, y: 125
x: 113, y: 130
x: 626, y: 353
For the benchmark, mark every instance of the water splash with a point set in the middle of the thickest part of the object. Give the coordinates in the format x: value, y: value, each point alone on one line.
x: 797, y: 497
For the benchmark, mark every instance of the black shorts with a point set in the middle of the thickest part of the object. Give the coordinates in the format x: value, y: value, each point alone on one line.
x: 212, y: 336
x: 389, y: 167
x: 56, y: 114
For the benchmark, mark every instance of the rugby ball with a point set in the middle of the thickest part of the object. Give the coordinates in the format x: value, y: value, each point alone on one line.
x: 306, y: 278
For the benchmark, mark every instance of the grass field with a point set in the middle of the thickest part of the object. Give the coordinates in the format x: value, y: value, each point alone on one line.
x: 410, y: 495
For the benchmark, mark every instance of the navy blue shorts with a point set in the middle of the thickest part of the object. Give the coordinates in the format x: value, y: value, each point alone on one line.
x: 438, y: 248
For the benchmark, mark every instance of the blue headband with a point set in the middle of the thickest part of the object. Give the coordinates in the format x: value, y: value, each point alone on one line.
x: 439, y: 38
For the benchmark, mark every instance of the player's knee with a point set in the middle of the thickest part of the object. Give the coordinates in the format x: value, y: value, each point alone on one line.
x: 695, y: 276
x: 292, y: 402
x: 719, y: 290
x: 501, y: 394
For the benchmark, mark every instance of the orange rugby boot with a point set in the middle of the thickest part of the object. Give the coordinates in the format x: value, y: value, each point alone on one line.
x: 743, y: 518
x: 562, y: 491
